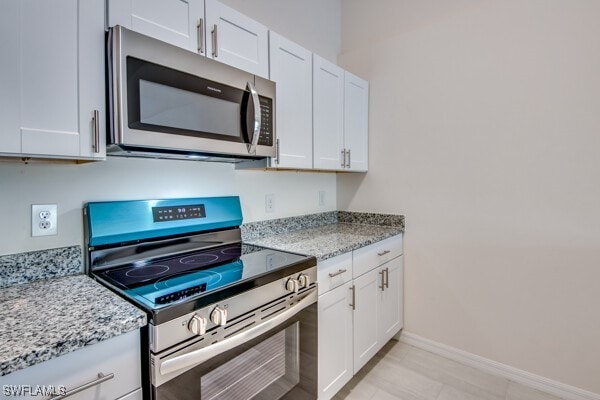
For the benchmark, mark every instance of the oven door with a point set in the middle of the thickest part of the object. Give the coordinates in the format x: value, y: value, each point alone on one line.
x: 276, y: 359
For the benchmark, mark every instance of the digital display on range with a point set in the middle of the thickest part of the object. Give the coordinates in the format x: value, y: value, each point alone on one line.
x: 173, y: 213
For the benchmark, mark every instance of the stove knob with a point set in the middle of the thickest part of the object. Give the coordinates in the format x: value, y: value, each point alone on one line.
x: 219, y: 316
x: 292, y: 285
x: 197, y: 325
x: 304, y: 280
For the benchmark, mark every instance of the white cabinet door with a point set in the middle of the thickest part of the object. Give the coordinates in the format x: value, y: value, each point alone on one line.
x: 390, y: 300
x: 335, y: 341
x: 53, y: 78
x: 119, y: 356
x: 328, y: 114
x: 172, y: 21
x: 10, y: 78
x: 291, y: 69
x: 92, y: 104
x: 236, y: 40
x: 356, y: 122
x: 366, y: 340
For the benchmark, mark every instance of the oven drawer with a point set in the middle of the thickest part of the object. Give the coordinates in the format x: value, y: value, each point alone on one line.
x: 334, y: 272
x: 372, y: 256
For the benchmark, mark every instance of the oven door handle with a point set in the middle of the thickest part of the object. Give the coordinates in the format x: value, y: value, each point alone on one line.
x: 199, y: 356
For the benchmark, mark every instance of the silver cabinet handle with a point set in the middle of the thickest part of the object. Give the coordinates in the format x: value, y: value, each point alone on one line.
x: 257, y: 118
x: 343, y: 158
x: 199, y: 356
x: 387, y: 277
x: 96, y: 130
x: 277, y: 152
x: 349, y: 159
x: 382, y: 273
x: 341, y: 271
x: 353, y: 289
x: 383, y: 253
x: 101, y: 379
x: 215, y: 41
x: 201, y: 36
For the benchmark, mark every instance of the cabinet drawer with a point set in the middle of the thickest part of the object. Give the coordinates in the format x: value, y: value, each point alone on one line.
x: 334, y: 272
x: 372, y: 256
x: 119, y: 356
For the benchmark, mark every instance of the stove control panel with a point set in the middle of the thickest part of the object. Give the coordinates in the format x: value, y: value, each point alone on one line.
x: 230, y: 311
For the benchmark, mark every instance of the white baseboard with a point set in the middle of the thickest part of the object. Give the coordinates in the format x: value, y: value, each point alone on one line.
x: 549, y: 386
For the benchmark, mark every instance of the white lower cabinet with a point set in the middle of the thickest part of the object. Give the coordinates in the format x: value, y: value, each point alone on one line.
x: 119, y: 356
x: 390, y: 300
x: 360, y: 309
x: 366, y: 318
x: 335, y: 340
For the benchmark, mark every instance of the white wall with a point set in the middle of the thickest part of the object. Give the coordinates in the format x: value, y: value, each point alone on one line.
x: 70, y: 186
x: 316, y: 27
x: 313, y: 24
x: 485, y: 133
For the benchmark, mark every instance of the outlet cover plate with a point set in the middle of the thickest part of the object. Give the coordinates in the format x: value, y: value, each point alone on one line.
x: 270, y: 203
x: 44, y: 219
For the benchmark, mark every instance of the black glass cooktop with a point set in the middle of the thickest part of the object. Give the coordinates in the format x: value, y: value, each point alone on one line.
x: 170, y: 280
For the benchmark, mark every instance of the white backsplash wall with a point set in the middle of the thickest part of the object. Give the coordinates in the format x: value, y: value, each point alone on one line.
x: 72, y: 185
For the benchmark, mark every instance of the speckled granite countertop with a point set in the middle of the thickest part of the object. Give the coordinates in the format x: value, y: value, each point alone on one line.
x: 328, y: 241
x: 49, y: 318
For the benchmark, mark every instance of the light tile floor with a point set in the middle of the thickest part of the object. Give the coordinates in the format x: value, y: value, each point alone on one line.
x: 401, y: 371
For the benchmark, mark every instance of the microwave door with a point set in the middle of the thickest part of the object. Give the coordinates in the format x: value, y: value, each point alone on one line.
x: 253, y: 119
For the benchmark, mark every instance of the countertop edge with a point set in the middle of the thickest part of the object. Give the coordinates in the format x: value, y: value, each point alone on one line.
x: 38, y: 356
x: 360, y: 245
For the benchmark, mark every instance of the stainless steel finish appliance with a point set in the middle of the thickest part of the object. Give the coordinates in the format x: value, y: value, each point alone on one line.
x: 167, y: 102
x: 227, y: 320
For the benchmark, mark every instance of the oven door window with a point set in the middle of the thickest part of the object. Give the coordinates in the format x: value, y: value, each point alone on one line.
x: 280, y: 364
x: 161, y: 99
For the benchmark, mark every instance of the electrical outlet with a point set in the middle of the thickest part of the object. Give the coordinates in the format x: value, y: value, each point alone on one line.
x: 44, y: 219
x: 321, y: 198
x: 270, y: 203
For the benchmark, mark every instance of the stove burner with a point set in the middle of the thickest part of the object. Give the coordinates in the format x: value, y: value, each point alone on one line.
x: 232, y: 251
x: 200, y: 259
x: 211, y: 277
x: 146, y: 271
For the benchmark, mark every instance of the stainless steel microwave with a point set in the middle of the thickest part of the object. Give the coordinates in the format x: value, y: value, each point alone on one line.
x: 167, y: 102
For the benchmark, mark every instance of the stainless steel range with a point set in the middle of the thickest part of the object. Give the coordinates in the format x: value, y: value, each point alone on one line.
x: 227, y: 320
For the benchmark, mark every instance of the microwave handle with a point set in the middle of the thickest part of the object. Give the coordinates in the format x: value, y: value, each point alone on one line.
x: 257, y: 119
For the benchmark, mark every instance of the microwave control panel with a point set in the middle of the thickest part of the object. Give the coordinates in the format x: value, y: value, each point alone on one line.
x: 266, y: 129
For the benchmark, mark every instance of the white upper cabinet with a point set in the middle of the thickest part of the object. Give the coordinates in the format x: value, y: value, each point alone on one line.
x: 291, y: 69
x: 178, y: 22
x: 328, y: 114
x: 202, y: 26
x: 356, y: 122
x: 52, y: 98
x: 236, y: 40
